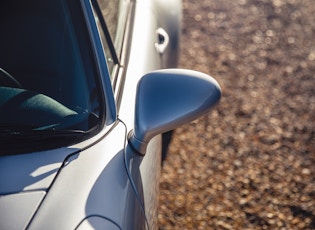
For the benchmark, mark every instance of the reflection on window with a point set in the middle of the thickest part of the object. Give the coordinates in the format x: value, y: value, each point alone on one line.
x: 109, y: 57
x: 109, y: 10
x: 114, y: 13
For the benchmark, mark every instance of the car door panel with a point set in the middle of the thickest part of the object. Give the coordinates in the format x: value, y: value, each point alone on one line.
x: 143, y: 58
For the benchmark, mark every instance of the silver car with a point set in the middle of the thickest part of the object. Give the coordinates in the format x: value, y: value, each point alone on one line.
x: 86, y: 91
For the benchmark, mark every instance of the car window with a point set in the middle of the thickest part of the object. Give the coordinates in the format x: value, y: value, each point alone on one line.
x: 111, y: 16
x: 49, y: 88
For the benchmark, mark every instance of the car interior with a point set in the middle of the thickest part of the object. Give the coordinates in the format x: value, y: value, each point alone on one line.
x: 41, y: 66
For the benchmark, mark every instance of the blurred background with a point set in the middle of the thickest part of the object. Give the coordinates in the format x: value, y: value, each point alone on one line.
x: 249, y: 163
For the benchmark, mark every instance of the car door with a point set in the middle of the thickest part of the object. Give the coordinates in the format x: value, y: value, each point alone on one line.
x: 143, y: 58
x: 128, y: 33
x: 145, y: 37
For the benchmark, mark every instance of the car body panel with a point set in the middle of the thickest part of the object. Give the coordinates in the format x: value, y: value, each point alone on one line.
x: 98, y: 222
x: 36, y: 171
x: 100, y: 176
x: 18, y: 209
x: 169, y: 16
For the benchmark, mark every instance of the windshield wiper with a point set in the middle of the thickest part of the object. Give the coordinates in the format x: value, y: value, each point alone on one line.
x: 26, y: 141
x: 30, y: 132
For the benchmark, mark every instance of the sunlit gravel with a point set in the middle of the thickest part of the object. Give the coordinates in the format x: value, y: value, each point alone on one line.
x: 249, y: 163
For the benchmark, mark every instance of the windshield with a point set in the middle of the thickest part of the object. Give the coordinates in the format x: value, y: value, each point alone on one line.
x: 48, y: 78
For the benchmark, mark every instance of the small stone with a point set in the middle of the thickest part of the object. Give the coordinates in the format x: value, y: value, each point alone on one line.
x: 306, y: 171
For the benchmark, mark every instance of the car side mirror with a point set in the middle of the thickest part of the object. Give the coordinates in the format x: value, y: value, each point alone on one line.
x: 169, y: 98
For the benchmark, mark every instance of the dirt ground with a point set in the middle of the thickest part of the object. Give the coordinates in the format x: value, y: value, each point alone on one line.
x: 249, y: 163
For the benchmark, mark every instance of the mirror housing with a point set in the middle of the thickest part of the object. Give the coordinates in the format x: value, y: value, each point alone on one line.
x: 167, y: 99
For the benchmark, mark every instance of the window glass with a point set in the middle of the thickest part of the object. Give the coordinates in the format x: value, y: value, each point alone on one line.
x: 50, y: 94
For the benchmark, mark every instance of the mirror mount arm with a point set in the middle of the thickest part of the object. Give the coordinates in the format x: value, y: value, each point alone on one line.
x: 138, y: 146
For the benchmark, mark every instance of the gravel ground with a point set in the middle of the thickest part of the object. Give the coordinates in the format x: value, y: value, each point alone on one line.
x: 248, y: 164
